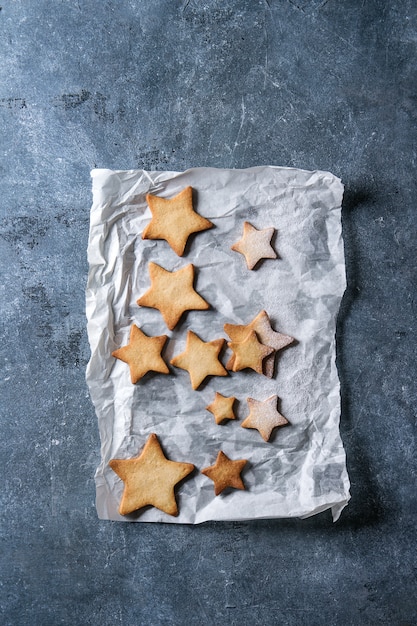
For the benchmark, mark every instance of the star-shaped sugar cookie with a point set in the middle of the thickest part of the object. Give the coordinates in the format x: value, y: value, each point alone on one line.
x: 172, y: 293
x: 255, y: 244
x: 200, y: 359
x: 142, y: 354
x: 269, y: 337
x: 249, y: 353
x: 263, y: 416
x: 222, y: 408
x: 225, y: 473
x: 174, y: 219
x: 149, y: 479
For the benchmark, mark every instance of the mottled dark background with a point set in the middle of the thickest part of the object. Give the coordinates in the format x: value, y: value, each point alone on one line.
x: 169, y: 84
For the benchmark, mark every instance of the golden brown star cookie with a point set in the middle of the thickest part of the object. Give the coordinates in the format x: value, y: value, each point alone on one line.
x: 255, y: 244
x: 222, y: 408
x: 200, y: 359
x: 149, y: 479
x: 142, y: 354
x: 249, y: 353
x: 172, y: 293
x: 174, y: 219
x: 225, y: 473
x: 264, y: 417
x: 269, y: 337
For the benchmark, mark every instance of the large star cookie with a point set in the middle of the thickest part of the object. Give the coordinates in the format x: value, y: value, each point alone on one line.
x: 222, y: 408
x: 142, y: 354
x: 225, y: 473
x: 269, y: 337
x: 255, y: 245
x: 200, y: 359
x: 149, y: 479
x: 174, y: 219
x: 172, y: 293
x: 264, y: 417
x: 249, y: 353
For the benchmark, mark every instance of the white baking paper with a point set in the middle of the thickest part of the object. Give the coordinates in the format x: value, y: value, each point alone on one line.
x: 302, y: 470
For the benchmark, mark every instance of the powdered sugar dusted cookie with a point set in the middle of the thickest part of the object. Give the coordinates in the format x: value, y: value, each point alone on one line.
x: 255, y: 244
x: 264, y: 416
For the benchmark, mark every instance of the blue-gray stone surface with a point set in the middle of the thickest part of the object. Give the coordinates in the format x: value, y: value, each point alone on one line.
x: 171, y: 84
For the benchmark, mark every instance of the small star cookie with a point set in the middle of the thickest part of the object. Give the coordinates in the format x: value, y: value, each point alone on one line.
x: 225, y: 473
x: 255, y: 244
x: 249, y: 353
x: 200, y: 359
x: 263, y: 416
x: 149, y: 479
x: 174, y: 219
x: 142, y: 354
x: 269, y: 337
x: 222, y: 408
x: 172, y: 293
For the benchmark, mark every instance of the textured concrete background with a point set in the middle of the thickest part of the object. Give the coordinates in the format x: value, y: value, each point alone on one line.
x: 170, y: 84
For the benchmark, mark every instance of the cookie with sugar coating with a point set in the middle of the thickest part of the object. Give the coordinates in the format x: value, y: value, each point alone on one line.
x: 255, y: 245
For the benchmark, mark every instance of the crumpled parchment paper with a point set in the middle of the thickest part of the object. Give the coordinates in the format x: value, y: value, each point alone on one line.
x: 302, y: 470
